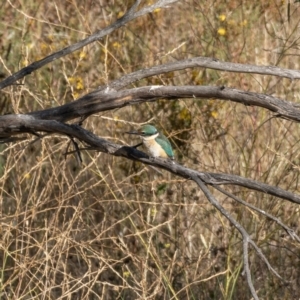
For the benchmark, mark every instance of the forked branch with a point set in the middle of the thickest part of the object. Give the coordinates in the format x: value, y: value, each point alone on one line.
x: 246, y: 237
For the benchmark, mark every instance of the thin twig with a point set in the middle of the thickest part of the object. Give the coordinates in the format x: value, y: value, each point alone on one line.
x: 289, y: 230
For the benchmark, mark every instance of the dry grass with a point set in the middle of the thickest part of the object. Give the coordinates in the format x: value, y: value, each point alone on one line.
x: 115, y: 229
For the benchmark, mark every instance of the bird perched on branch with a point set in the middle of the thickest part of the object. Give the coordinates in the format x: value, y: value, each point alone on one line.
x: 156, y: 143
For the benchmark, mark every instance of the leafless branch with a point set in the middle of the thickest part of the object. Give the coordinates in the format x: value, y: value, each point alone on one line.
x: 289, y: 230
x: 106, y: 100
x: 129, y: 16
x: 17, y: 124
x: 246, y: 237
x: 28, y: 124
x: 203, y: 62
x: 239, y: 227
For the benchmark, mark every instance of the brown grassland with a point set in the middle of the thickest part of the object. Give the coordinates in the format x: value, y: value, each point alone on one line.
x: 111, y: 228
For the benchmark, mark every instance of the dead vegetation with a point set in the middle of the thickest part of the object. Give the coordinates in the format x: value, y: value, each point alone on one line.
x: 112, y: 228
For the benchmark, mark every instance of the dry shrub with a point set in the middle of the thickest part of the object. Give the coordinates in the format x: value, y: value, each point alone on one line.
x: 115, y: 229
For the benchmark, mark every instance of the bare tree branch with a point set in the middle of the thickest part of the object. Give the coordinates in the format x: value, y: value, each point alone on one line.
x: 106, y: 100
x: 17, y: 124
x: 129, y: 16
x: 240, y: 228
x: 246, y: 237
x: 289, y: 230
x: 202, y: 62
x: 27, y: 123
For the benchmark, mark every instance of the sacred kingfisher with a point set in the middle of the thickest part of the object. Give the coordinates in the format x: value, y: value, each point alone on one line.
x: 156, y: 143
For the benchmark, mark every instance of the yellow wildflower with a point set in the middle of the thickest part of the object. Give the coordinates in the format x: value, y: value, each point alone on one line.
x: 79, y: 85
x: 71, y: 79
x: 82, y: 54
x: 120, y: 14
x: 24, y: 62
x: 116, y: 45
x: 126, y: 274
x: 27, y: 176
x: 222, y: 18
x: 153, y: 212
x: 222, y: 31
x: 214, y: 114
x: 78, y: 81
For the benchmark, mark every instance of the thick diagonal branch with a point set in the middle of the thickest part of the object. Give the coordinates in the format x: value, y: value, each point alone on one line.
x: 107, y: 100
x: 129, y: 16
x: 18, y: 124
